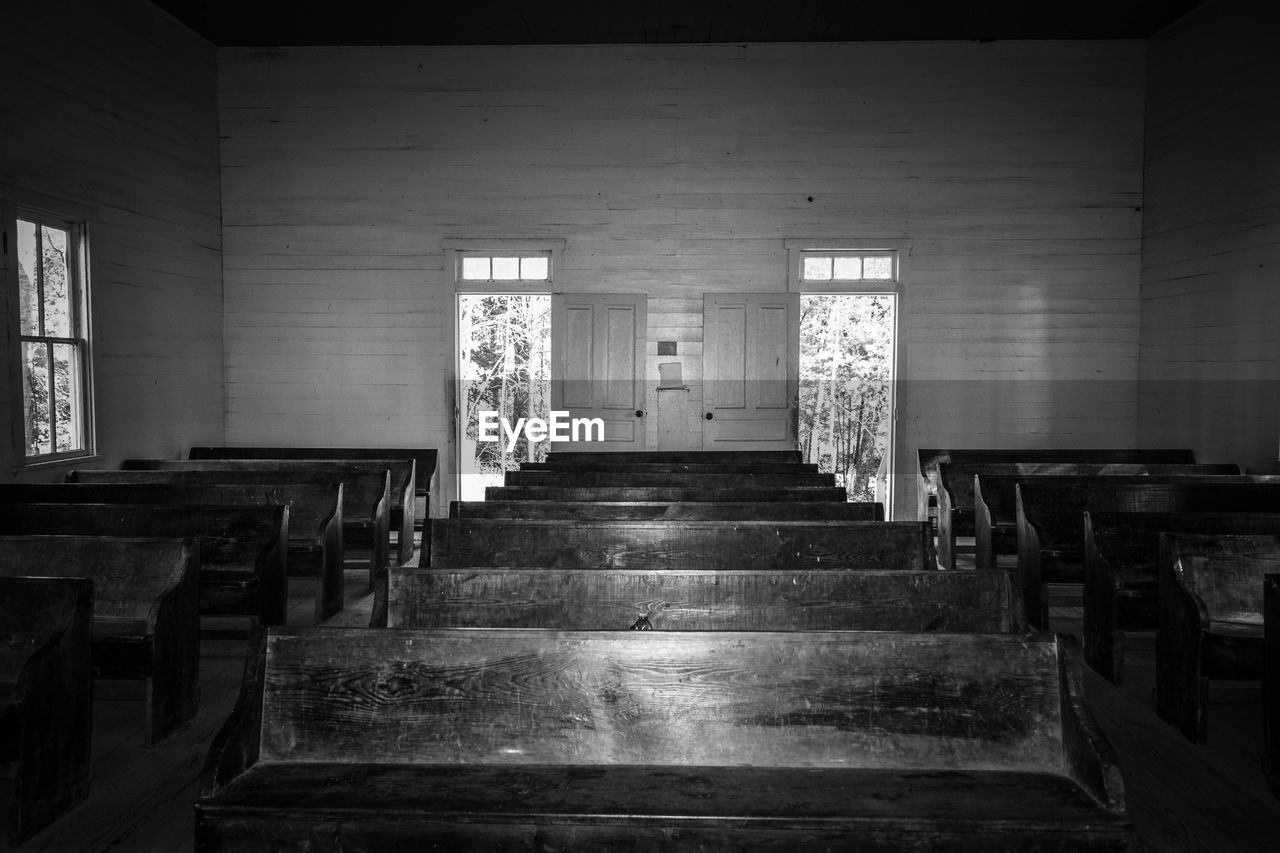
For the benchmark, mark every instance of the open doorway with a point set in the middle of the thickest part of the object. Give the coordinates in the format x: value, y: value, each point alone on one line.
x: 504, y: 367
x: 846, y: 389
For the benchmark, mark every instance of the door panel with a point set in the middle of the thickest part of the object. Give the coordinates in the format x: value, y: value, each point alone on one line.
x: 598, y: 357
x: 751, y: 365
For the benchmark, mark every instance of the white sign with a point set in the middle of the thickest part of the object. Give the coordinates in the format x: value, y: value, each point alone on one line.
x: 560, y: 428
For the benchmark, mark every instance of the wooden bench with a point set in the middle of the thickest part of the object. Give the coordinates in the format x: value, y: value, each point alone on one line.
x: 1121, y: 550
x: 1271, y: 682
x: 615, y: 494
x: 1211, y: 622
x: 671, y: 510
x: 145, y: 612
x: 243, y: 549
x: 1050, y: 518
x: 592, y: 477
x: 307, y: 557
x: 46, y: 703
x: 928, y: 460
x: 565, y: 458
x: 710, y: 545
x: 366, y: 495
x: 624, y: 465
x: 315, y: 518
x: 956, y: 494
x: 386, y: 739
x: 424, y: 458
x: 699, y: 600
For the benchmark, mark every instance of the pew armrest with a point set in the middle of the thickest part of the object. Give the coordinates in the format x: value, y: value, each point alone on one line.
x: 237, y: 745
x: 1087, y: 755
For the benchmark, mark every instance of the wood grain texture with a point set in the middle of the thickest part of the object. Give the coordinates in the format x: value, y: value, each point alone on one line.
x: 718, y: 479
x: 145, y: 611
x: 362, y: 524
x: 622, y: 739
x: 315, y: 517
x: 729, y: 600
x: 1049, y: 513
x: 671, y: 510
x: 426, y: 459
x: 459, y: 543
x: 1271, y: 682
x: 1210, y: 620
x: 615, y: 494
x: 1121, y: 551
x: 243, y: 549
x: 45, y: 699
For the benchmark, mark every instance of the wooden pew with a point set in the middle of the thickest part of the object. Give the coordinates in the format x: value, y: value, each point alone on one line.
x: 1271, y: 682
x: 593, y: 477
x: 530, y: 739
x: 956, y: 494
x: 45, y: 700
x: 671, y: 510
x: 565, y: 458
x: 145, y: 611
x: 996, y: 506
x: 655, y: 545
x: 371, y: 507
x: 1050, y: 518
x: 928, y: 460
x: 1121, y: 550
x: 615, y: 494
x: 424, y: 458
x: 696, y: 600
x: 624, y: 465
x: 368, y: 487
x: 315, y: 518
x: 1211, y: 621
x: 243, y: 549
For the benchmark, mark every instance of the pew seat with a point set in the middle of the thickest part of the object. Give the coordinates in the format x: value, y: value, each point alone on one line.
x: 671, y: 510
x: 489, y: 739
x: 145, y: 612
x: 1211, y: 621
x: 45, y: 700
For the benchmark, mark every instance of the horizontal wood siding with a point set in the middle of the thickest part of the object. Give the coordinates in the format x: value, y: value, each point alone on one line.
x: 1211, y: 237
x: 112, y: 105
x: 1012, y: 170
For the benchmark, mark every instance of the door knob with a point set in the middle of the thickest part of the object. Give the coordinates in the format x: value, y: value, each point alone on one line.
x: 639, y: 413
x: 710, y: 415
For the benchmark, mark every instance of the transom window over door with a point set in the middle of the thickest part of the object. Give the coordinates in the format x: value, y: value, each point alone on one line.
x: 53, y: 338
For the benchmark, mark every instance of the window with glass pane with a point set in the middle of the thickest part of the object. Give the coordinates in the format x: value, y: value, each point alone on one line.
x: 506, y: 268
x: 846, y: 266
x: 53, y: 339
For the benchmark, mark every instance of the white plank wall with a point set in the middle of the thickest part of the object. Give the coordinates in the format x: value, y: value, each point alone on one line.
x: 1013, y: 168
x: 1211, y: 236
x: 112, y: 105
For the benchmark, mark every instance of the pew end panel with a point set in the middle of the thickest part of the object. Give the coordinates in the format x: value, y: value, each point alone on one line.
x: 146, y: 612
x: 476, y: 739
x: 1271, y: 682
x: 45, y: 699
x: 1211, y: 620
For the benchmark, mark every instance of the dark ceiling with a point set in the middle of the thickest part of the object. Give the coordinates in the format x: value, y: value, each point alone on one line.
x: 368, y: 22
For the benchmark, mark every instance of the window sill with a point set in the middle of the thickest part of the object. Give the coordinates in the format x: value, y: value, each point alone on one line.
x: 54, y: 464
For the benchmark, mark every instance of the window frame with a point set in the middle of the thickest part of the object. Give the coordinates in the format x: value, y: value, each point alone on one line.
x: 74, y: 220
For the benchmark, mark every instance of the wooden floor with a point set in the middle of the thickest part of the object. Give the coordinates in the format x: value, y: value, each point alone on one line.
x: 1181, y: 797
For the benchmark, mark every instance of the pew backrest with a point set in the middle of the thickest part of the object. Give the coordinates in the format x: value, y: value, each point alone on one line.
x: 667, y: 493
x: 131, y: 575
x: 777, y: 699
x: 565, y: 458
x: 35, y: 612
x: 514, y: 542
x: 1129, y: 542
x: 1224, y: 571
x: 672, y: 510
x: 726, y: 600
